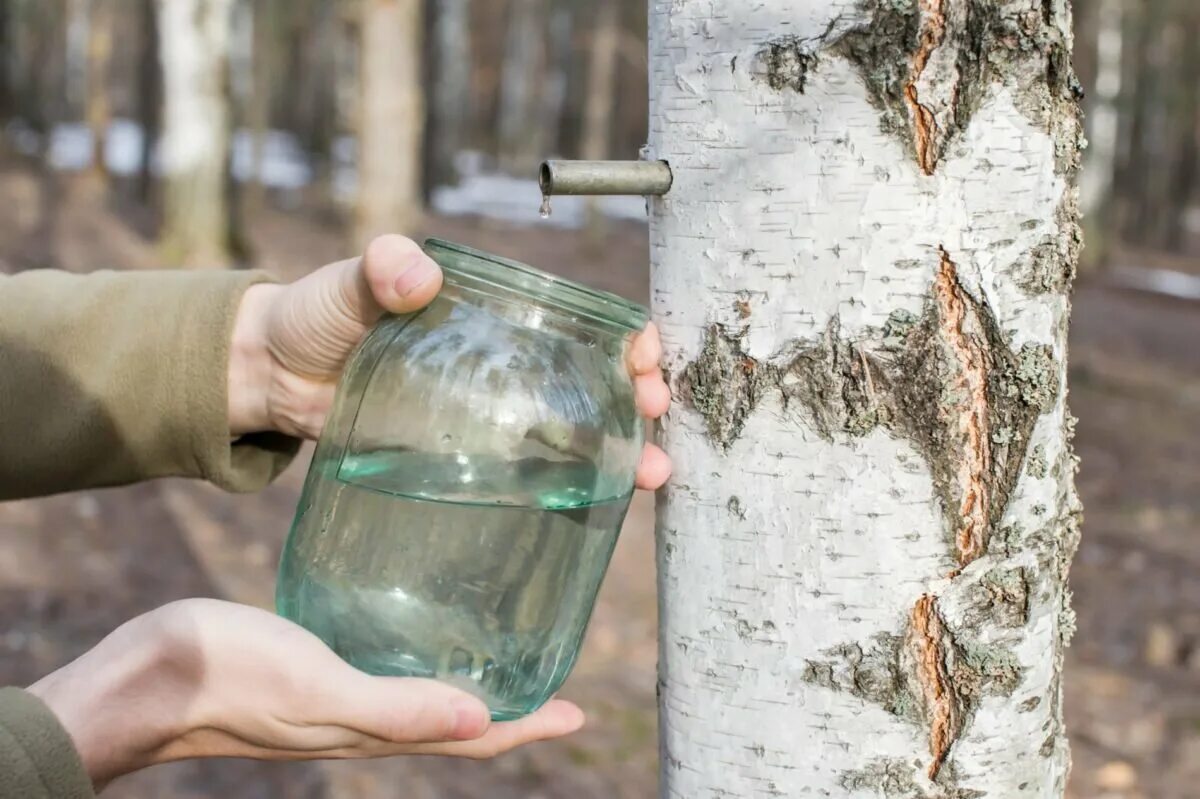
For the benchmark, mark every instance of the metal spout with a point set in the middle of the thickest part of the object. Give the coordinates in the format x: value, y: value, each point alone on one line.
x: 637, y: 178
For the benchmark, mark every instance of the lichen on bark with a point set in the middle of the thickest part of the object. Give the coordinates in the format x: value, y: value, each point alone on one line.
x: 872, y: 673
x: 724, y: 384
x: 1001, y: 597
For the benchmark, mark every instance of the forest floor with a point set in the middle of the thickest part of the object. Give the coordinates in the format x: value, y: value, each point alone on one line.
x: 74, y: 567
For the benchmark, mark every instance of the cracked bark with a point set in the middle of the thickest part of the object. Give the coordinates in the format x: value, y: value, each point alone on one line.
x: 867, y: 538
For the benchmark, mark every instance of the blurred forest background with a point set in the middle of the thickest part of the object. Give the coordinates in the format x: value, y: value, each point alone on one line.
x: 282, y: 134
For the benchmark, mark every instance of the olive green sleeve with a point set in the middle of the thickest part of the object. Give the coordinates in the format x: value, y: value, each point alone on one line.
x: 114, y: 377
x: 37, y: 757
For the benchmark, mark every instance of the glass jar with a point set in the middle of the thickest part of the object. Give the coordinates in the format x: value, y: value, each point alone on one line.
x: 467, y: 491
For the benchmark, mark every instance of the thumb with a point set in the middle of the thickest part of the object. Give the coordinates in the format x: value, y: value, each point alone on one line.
x: 408, y: 710
x: 399, y: 275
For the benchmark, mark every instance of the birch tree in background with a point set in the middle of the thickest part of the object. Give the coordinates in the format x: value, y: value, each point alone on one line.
x: 99, y: 56
x: 391, y: 119
x: 862, y: 274
x: 148, y: 88
x: 194, y: 37
x: 518, y: 117
x: 7, y: 59
x: 1096, y: 180
x: 450, y: 83
x: 264, y: 23
x: 601, y: 99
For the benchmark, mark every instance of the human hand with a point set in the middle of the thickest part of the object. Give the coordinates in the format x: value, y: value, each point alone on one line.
x: 204, y: 678
x: 291, y: 343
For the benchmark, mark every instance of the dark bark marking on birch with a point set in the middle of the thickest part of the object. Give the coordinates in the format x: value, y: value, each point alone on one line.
x: 929, y: 642
x: 965, y: 407
x: 933, y: 30
x: 976, y: 45
x: 1001, y: 597
x: 946, y: 381
x: 931, y: 676
x: 893, y: 777
x: 723, y: 384
x: 873, y: 673
x: 1049, y: 267
x: 784, y: 64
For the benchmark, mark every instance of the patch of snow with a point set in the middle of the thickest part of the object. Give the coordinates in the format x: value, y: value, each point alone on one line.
x: 287, y: 168
x: 1164, y: 282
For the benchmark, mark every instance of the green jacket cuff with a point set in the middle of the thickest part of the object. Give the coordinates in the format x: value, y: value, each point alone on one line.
x: 251, y: 462
x: 38, y: 760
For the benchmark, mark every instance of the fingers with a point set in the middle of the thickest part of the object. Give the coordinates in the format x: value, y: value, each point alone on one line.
x: 554, y: 720
x: 654, y: 469
x: 406, y: 711
x: 651, y: 394
x: 653, y: 400
x: 646, y: 351
x: 401, y: 277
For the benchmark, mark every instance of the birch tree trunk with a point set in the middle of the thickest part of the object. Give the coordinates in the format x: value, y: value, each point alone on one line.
x: 149, y: 95
x: 451, y: 85
x: 99, y: 113
x: 7, y: 59
x: 560, y: 51
x: 391, y: 119
x: 1096, y: 181
x: 264, y: 19
x: 861, y: 274
x: 194, y: 48
x: 524, y: 56
x: 601, y: 97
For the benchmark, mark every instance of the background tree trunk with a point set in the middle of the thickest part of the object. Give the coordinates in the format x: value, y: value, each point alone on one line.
x: 7, y: 43
x: 391, y: 119
x: 556, y: 75
x: 149, y: 96
x: 1096, y: 182
x: 601, y: 97
x: 194, y: 49
x: 264, y: 20
x: 99, y: 55
x: 524, y: 53
x: 451, y: 117
x: 77, y: 28
x: 863, y: 551
x: 1186, y: 138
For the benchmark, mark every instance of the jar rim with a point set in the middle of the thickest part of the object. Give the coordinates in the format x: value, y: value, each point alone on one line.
x: 568, y: 295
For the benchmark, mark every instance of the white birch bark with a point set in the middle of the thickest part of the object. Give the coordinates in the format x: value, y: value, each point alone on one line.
x: 391, y: 119
x: 861, y: 276
x: 194, y: 38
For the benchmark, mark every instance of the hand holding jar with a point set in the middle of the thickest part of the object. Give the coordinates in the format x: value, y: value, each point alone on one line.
x: 201, y: 678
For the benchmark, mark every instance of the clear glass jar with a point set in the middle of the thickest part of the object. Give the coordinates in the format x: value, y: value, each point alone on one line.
x: 467, y: 492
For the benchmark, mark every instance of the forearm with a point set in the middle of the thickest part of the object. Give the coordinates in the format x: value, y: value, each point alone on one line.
x: 112, y: 378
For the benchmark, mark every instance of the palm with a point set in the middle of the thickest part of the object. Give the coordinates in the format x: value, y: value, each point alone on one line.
x: 277, y: 691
